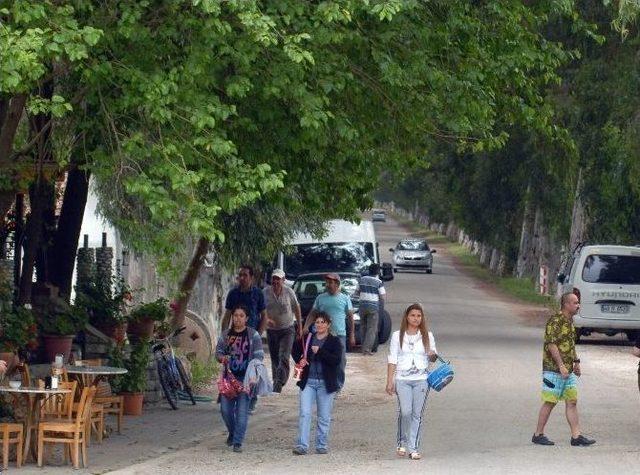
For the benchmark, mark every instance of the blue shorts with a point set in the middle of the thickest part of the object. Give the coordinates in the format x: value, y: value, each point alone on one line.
x: 555, y: 388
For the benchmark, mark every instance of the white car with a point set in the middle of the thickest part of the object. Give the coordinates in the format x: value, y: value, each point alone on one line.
x: 606, y: 279
x: 379, y: 215
x: 414, y: 254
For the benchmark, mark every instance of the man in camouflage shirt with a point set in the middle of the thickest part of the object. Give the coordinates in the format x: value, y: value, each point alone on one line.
x: 560, y: 372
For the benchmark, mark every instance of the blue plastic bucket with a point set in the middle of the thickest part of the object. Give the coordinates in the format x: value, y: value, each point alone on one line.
x: 441, y: 376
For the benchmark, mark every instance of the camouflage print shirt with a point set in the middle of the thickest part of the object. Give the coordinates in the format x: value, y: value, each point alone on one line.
x: 560, y: 332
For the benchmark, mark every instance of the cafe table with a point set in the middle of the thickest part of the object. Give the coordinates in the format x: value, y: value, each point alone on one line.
x: 33, y: 397
x: 92, y: 375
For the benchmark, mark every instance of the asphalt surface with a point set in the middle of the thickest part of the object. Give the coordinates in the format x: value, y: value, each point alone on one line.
x: 481, y: 423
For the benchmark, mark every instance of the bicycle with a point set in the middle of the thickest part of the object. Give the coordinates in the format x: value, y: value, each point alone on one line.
x: 173, y: 377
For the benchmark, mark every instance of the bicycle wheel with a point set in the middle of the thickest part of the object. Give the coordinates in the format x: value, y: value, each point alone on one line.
x: 167, y: 383
x: 186, y: 386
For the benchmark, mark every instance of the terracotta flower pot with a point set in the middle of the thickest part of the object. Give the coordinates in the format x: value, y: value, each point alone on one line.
x: 54, y: 344
x: 142, y: 328
x: 116, y: 331
x: 132, y: 403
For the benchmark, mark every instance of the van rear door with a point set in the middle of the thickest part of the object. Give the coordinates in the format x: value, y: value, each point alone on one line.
x: 611, y: 289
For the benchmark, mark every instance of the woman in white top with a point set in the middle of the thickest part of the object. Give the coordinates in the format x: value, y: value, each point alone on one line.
x: 410, y: 350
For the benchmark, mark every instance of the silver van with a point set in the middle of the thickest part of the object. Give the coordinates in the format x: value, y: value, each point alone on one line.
x: 606, y: 279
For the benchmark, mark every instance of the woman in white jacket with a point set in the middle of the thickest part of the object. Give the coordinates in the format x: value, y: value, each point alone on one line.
x: 410, y: 350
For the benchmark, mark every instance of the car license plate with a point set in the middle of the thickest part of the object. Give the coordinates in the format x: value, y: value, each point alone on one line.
x: 614, y: 308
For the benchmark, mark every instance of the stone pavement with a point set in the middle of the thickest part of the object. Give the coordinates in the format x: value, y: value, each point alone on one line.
x: 158, y: 431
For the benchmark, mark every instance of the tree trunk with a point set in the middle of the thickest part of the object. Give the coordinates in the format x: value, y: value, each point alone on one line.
x: 188, y: 281
x: 11, y: 115
x: 578, y: 216
x: 65, y: 244
x: 526, y: 250
x: 42, y: 193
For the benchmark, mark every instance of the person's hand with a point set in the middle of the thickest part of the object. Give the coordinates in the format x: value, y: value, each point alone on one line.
x: 303, y: 362
x: 3, y: 367
x: 352, y: 340
x: 432, y: 355
x: 270, y: 323
x: 224, y: 359
x: 391, y: 388
x: 564, y: 372
x: 576, y: 369
x: 315, y: 348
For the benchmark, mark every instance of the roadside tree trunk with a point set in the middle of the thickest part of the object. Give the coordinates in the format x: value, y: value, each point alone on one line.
x: 188, y: 281
x: 578, y: 216
x: 526, y: 250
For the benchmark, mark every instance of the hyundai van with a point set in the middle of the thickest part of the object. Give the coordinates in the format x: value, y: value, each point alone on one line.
x: 606, y: 279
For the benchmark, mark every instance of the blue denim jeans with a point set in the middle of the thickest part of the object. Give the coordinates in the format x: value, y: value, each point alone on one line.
x: 315, y: 392
x: 235, y: 414
x: 343, y: 362
x: 412, y: 400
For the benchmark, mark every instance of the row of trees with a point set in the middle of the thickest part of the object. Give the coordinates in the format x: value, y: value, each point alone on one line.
x: 542, y: 194
x: 233, y: 124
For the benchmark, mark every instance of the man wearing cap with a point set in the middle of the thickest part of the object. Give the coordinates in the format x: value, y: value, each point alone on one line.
x: 338, y: 305
x: 283, y: 313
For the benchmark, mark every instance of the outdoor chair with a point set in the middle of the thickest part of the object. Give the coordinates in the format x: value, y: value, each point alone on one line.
x: 59, y: 406
x: 72, y: 432
x: 11, y: 433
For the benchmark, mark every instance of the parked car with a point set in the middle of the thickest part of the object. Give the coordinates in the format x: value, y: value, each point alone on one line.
x: 379, y: 215
x: 308, y: 286
x: 606, y: 279
x: 413, y: 254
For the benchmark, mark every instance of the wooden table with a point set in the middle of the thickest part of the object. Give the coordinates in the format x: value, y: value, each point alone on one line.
x: 34, y: 397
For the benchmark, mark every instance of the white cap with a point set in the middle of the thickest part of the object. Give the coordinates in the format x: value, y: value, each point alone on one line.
x: 278, y: 273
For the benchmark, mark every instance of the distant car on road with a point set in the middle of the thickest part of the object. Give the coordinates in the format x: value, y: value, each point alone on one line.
x: 379, y: 215
x: 413, y: 253
x: 308, y: 286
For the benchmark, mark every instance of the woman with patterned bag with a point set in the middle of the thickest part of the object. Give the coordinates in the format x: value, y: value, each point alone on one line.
x: 236, y: 347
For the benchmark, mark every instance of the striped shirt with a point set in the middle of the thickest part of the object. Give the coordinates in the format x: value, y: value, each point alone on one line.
x: 370, y: 288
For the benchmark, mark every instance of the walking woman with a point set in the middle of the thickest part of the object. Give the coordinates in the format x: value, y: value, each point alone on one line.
x: 410, y: 350
x: 318, y: 356
x: 236, y: 347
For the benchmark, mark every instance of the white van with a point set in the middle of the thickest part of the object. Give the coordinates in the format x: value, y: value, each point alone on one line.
x: 606, y: 279
x: 346, y: 247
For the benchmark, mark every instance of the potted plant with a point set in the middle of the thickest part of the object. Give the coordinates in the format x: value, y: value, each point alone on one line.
x: 59, y: 323
x: 134, y: 382
x: 143, y: 318
x: 107, y: 310
x: 18, y: 331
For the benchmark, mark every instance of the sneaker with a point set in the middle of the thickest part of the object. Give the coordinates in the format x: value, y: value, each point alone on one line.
x: 230, y: 440
x: 581, y: 440
x: 299, y: 451
x: 322, y: 451
x: 237, y: 448
x: 541, y: 440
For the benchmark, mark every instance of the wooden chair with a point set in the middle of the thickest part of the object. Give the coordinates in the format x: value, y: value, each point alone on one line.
x: 59, y: 406
x: 72, y: 432
x: 11, y: 434
x: 97, y: 408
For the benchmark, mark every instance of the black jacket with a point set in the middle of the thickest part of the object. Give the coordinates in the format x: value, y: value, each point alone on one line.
x: 329, y: 355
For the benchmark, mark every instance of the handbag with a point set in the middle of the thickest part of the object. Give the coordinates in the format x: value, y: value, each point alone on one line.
x: 228, y: 384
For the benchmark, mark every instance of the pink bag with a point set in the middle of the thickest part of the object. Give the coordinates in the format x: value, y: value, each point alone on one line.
x: 228, y: 384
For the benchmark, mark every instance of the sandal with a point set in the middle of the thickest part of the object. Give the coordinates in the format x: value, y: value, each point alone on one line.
x: 401, y: 451
x: 415, y: 456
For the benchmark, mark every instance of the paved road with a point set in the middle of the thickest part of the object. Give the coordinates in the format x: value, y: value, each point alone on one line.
x: 481, y: 423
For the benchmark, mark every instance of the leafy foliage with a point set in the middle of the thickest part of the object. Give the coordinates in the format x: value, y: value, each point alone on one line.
x: 157, y: 310
x: 135, y: 380
x: 18, y: 329
x: 57, y: 317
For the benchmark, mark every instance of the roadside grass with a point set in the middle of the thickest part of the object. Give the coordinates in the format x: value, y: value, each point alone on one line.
x: 521, y: 289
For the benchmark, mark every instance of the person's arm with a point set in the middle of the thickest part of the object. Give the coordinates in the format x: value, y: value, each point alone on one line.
x: 392, y: 363
x: 382, y: 293
x: 258, y: 351
x: 352, y: 328
x: 310, y: 317
x: 3, y: 367
x: 298, y: 314
x: 391, y: 384
x: 555, y: 354
x: 263, y: 322
x: 221, y: 353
